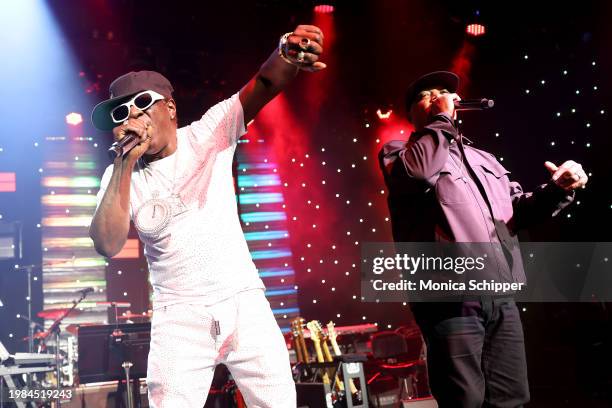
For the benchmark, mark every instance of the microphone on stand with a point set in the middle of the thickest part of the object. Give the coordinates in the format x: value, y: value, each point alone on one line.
x: 85, y: 291
x: 474, y: 104
x: 123, y: 146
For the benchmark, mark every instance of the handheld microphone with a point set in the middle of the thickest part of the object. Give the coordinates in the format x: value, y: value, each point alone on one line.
x: 474, y: 104
x: 123, y: 146
x: 85, y: 291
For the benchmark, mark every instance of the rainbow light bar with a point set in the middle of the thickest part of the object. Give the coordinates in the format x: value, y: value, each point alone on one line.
x: 70, y: 262
x: 56, y: 286
x: 73, y: 182
x: 286, y: 310
x: 77, y: 263
x: 256, y: 166
x: 263, y: 216
x: 270, y: 254
x: 259, y: 180
x: 76, y: 242
x: 76, y: 165
x: 82, y: 221
x: 265, y: 235
x: 74, y: 200
x: 274, y: 272
x: 260, y: 198
x: 280, y: 292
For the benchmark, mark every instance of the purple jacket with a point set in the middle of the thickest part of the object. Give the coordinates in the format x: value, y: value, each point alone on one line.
x: 442, y: 190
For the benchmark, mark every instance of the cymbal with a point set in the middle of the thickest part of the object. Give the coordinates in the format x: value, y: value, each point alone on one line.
x: 54, y: 314
x: 117, y: 304
x: 129, y: 315
x: 37, y: 336
x: 49, y: 338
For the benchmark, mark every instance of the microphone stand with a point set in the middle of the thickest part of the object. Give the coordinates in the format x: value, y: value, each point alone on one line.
x: 31, y: 327
x: 55, y: 330
x: 28, y: 269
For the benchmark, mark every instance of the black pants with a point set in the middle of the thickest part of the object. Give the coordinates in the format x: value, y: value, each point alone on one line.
x: 475, y: 353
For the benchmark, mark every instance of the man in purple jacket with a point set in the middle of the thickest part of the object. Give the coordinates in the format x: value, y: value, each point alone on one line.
x: 443, y: 190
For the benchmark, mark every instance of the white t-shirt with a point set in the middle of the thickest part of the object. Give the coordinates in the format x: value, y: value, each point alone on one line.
x: 200, y: 255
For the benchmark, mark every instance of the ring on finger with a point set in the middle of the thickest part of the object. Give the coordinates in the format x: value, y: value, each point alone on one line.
x: 300, y: 56
x: 304, y: 43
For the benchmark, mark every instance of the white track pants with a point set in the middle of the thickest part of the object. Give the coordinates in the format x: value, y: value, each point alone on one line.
x: 185, y: 350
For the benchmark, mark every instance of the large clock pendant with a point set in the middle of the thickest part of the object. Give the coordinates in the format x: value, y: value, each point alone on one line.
x: 153, y: 216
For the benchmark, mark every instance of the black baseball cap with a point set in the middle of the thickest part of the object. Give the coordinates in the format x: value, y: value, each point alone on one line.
x: 123, y: 88
x: 446, y: 79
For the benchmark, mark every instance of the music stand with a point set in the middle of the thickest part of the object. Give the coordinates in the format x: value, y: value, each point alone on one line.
x: 115, y: 352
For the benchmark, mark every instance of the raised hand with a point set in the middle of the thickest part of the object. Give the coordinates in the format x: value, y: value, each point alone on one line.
x: 569, y: 176
x: 304, y: 46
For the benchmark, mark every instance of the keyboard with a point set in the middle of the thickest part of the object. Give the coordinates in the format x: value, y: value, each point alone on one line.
x: 33, y: 359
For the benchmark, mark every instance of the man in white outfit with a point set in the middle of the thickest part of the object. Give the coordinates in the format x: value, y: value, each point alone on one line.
x: 176, y: 186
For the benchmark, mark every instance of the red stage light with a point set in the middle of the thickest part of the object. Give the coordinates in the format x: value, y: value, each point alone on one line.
x: 74, y: 118
x: 475, y: 30
x: 324, y: 8
x: 383, y: 116
x: 8, y: 183
x: 130, y: 250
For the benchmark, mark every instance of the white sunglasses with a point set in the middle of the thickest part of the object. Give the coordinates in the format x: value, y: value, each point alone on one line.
x: 143, y: 101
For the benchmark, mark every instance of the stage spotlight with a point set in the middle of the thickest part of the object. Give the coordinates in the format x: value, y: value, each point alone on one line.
x: 384, y: 115
x: 74, y: 119
x: 324, y: 8
x: 475, y: 30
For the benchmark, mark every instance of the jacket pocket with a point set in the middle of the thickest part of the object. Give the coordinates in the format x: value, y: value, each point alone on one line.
x: 451, y: 187
x: 497, y: 186
x: 494, y: 169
